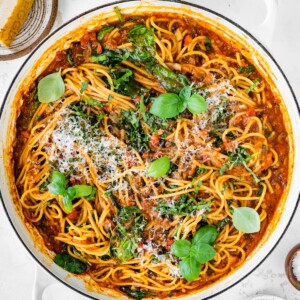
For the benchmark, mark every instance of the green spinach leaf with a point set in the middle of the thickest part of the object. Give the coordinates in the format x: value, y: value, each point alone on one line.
x: 70, y: 264
x: 105, y: 29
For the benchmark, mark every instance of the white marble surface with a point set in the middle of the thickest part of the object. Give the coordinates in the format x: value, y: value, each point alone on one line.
x: 17, y: 268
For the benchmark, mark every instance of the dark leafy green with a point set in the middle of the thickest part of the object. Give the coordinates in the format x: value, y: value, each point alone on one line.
x: 239, y: 157
x: 135, y: 135
x: 105, y: 29
x: 136, y: 294
x: 70, y: 264
x: 125, y: 84
x: 248, y: 69
x: 171, y: 81
x: 253, y: 86
x: 130, y: 225
x: 207, y: 43
x: 183, y: 207
x: 144, y: 44
x: 108, y: 58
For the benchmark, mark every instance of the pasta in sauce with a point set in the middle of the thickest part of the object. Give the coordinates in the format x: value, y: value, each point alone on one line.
x: 164, y: 130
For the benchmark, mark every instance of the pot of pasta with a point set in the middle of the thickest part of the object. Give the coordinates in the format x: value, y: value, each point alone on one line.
x: 150, y: 152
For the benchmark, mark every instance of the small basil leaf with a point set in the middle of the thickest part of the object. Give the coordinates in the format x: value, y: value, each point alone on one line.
x: 182, y: 104
x: 246, y: 219
x: 67, y: 200
x: 51, y: 88
x: 58, y: 183
x: 56, y: 188
x: 105, y: 29
x: 202, y: 252
x: 92, y: 195
x: 196, y: 104
x: 159, y: 167
x: 189, y: 268
x: 69, y: 263
x: 165, y: 106
x: 80, y: 190
x: 185, y: 93
x: 206, y: 235
x: 181, y: 248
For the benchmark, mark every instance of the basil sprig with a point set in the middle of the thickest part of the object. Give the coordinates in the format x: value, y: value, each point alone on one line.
x: 195, y: 253
x: 169, y: 105
x: 159, y: 167
x: 245, y: 219
x: 58, y: 186
x: 51, y: 88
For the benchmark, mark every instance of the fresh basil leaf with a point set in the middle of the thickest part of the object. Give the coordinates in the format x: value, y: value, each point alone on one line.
x: 105, y: 29
x: 83, y: 86
x: 92, y: 195
x: 185, y: 93
x: 159, y: 167
x: 196, y: 104
x: 246, y: 219
x: 67, y: 200
x: 182, y: 104
x: 253, y: 86
x: 166, y: 106
x: 202, y: 252
x: 51, y: 88
x: 181, y: 248
x: 69, y: 263
x: 206, y: 235
x: 190, y: 268
x: 118, y: 13
x: 58, y: 183
x: 80, y: 190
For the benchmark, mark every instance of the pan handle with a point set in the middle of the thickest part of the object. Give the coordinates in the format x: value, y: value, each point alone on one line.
x: 265, y: 30
x: 41, y: 281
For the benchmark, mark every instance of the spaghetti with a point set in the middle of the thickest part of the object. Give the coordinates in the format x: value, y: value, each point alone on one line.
x: 102, y: 135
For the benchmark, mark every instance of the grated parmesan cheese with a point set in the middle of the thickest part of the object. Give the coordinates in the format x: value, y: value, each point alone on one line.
x: 75, y: 136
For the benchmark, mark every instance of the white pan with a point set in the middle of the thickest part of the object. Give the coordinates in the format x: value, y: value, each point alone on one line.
x: 34, y: 64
